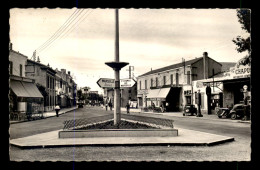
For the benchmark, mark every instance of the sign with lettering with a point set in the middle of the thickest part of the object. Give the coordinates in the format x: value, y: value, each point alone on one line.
x: 156, y: 99
x: 187, y: 92
x: 110, y: 83
x: 105, y: 82
x: 127, y: 82
x: 240, y: 71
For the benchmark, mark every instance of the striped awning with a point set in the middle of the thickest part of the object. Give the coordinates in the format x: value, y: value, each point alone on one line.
x: 158, y: 94
x: 25, y: 89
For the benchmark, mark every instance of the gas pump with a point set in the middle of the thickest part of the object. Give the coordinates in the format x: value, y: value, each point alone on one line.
x: 198, y: 102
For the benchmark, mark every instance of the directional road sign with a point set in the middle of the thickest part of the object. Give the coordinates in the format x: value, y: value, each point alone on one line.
x: 127, y: 82
x: 105, y: 82
x: 110, y: 83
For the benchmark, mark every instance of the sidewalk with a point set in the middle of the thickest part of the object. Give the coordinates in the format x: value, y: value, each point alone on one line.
x: 180, y: 114
x: 48, y: 114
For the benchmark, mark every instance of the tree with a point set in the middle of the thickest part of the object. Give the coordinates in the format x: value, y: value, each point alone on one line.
x: 244, y: 44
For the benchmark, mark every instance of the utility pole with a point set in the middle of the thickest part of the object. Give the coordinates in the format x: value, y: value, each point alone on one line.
x: 131, y: 68
x: 116, y: 65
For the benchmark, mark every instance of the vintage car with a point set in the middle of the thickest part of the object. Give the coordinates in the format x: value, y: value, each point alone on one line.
x: 238, y: 111
x: 190, y: 109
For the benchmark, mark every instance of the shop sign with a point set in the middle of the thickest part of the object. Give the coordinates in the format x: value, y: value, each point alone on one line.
x: 155, y: 99
x: 240, y: 71
x: 187, y: 92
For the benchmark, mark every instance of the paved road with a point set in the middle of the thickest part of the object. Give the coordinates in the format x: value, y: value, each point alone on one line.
x: 239, y: 150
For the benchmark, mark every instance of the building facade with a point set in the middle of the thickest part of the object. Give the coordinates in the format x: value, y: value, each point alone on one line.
x: 127, y: 95
x: 229, y: 88
x: 171, y: 86
x: 44, y: 76
x: 24, y: 96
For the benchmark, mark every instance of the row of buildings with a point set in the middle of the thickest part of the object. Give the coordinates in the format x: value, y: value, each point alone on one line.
x: 35, y: 87
x: 178, y: 84
x: 127, y: 95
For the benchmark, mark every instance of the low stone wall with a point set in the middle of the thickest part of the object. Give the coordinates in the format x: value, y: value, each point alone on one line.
x: 118, y: 133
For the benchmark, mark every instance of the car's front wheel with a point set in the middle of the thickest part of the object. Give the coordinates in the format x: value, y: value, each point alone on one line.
x: 233, y: 116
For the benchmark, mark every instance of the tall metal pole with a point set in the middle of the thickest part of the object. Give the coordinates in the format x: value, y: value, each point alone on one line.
x: 117, y: 111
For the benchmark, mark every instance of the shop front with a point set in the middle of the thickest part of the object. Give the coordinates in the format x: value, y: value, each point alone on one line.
x: 234, y: 87
x: 26, y: 99
x: 233, y: 91
x: 168, y: 97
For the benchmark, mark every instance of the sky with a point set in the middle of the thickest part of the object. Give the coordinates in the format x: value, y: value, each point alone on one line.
x: 82, y: 40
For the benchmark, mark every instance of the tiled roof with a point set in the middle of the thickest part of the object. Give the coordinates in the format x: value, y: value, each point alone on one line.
x: 189, y: 62
x: 42, y: 65
x: 18, y: 53
x: 226, y: 65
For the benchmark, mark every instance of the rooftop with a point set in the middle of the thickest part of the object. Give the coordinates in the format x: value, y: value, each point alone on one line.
x: 189, y: 62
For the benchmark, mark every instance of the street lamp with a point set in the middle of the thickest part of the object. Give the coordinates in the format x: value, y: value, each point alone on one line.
x: 116, y: 65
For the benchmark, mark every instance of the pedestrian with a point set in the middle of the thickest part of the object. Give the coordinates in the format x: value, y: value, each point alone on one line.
x: 127, y: 108
x: 153, y: 106
x: 161, y: 107
x: 57, y: 109
x: 106, y: 106
x: 110, y: 105
x: 167, y: 106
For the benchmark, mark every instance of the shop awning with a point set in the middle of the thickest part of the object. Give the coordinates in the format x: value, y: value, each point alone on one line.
x: 32, y: 89
x: 25, y: 89
x: 158, y: 94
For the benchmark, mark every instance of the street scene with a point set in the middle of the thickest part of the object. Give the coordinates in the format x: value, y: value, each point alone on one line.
x: 130, y: 85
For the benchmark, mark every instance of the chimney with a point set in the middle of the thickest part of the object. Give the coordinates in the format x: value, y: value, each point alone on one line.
x: 151, y: 69
x: 38, y: 59
x: 205, y: 55
x: 63, y: 70
x: 68, y: 72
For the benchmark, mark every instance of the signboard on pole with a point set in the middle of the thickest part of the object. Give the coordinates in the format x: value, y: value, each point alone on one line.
x: 110, y: 83
x: 127, y: 82
x: 106, y: 83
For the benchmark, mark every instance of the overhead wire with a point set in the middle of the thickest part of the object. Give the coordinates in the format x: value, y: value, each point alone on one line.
x: 66, y: 24
x: 68, y: 31
x: 61, y: 34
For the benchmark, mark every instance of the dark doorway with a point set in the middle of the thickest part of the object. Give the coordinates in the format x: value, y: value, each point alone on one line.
x: 173, y: 99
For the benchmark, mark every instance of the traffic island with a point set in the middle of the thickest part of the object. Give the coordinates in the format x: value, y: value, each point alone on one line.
x: 126, y: 128
x: 156, y: 132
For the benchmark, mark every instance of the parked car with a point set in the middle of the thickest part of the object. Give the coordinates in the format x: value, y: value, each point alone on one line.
x: 190, y: 109
x: 80, y: 104
x: 223, y: 112
x: 238, y: 111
